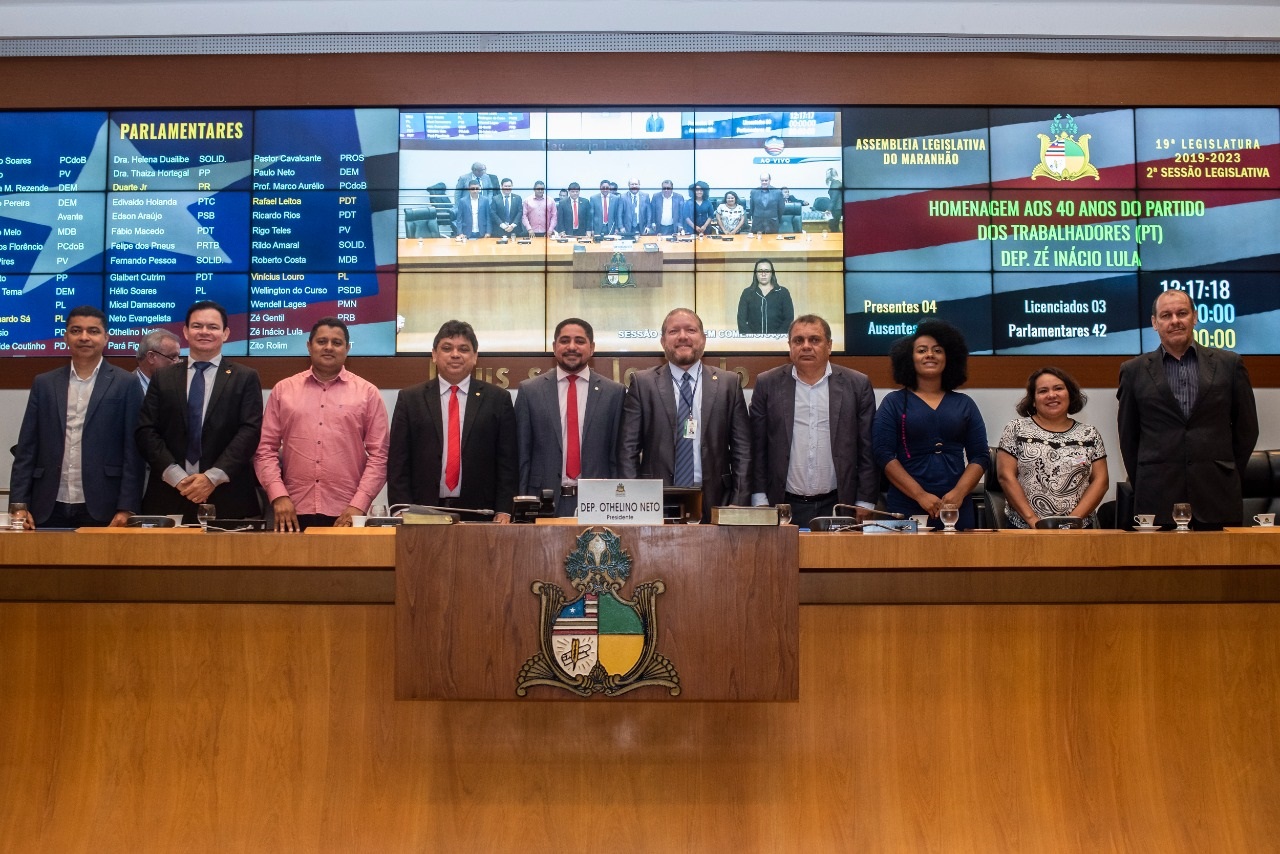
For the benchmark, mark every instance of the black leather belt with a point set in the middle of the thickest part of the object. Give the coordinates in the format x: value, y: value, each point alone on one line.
x: 569, y: 491
x: 811, y: 499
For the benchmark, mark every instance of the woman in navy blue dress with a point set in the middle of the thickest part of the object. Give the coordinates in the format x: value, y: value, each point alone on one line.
x: 699, y: 210
x: 930, y: 439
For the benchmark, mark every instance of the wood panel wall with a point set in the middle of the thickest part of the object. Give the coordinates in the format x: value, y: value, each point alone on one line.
x: 602, y: 79
x: 209, y: 728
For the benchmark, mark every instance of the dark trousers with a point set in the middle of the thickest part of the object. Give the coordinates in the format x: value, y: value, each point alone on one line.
x: 72, y: 516
x: 805, y: 507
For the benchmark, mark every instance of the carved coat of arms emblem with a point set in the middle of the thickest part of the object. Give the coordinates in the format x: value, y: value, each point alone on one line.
x: 600, y: 643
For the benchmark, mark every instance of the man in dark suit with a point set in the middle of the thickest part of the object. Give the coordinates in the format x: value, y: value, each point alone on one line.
x: 471, y: 215
x: 453, y: 438
x: 811, y: 430
x: 506, y: 212
x: 567, y: 420
x: 608, y: 214
x: 573, y: 214
x: 1187, y: 422
x: 211, y: 462
x: 639, y: 210
x: 687, y: 423
x: 766, y: 206
x: 480, y: 174
x: 75, y: 464
x: 667, y: 210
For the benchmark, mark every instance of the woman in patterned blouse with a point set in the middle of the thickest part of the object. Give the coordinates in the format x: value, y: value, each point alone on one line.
x: 1049, y: 464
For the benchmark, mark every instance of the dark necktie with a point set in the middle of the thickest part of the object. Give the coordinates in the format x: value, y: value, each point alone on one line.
x: 195, y: 412
x: 453, y: 463
x: 684, y: 446
x: 573, y: 453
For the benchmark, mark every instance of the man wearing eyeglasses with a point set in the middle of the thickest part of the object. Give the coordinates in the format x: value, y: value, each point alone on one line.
x: 158, y: 349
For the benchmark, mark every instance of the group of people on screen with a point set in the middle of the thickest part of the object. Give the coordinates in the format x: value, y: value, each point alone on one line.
x: 485, y: 206
x: 98, y: 444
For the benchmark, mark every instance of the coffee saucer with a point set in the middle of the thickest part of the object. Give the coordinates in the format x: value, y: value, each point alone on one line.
x: 1146, y: 528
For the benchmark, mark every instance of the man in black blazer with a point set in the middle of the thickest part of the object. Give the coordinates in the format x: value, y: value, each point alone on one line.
x: 212, y: 465
x: 811, y: 430
x: 608, y: 213
x: 566, y: 223
x: 506, y: 213
x: 716, y: 432
x: 1187, y: 422
x: 544, y: 419
x: 76, y: 464
x: 453, y: 438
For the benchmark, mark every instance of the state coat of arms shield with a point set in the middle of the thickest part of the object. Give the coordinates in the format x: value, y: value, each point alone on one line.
x: 600, y: 642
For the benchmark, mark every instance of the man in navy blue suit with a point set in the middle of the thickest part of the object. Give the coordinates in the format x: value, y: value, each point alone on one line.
x: 76, y: 464
x: 471, y: 215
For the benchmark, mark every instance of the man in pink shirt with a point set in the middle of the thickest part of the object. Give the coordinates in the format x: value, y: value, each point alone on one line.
x: 323, y: 454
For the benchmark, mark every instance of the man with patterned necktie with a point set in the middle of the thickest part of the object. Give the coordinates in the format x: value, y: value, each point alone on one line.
x: 200, y: 424
x: 453, y: 438
x: 687, y: 423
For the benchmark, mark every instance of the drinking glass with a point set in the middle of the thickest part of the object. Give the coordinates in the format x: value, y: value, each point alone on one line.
x: 17, y: 516
x: 784, y: 514
x: 206, y: 514
x: 949, y: 515
x: 1182, y: 515
x: 379, y: 510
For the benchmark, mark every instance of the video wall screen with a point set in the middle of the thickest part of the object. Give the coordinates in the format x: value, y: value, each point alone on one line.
x: 1046, y: 230
x: 1052, y: 230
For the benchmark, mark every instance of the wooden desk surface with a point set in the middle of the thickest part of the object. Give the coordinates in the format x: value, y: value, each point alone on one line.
x: 357, y: 565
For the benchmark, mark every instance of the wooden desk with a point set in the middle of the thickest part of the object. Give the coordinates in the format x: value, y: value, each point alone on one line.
x: 467, y: 618
x: 356, y: 565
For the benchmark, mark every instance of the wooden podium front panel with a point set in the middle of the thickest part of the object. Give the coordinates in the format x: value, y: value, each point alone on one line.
x: 467, y: 619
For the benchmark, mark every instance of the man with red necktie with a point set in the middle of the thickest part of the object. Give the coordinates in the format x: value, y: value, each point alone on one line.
x: 453, y: 439
x: 567, y: 420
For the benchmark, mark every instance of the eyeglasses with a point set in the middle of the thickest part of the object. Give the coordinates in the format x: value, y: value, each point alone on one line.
x: 175, y: 357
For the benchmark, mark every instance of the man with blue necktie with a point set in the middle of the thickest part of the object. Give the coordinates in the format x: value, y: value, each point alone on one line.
x: 686, y: 423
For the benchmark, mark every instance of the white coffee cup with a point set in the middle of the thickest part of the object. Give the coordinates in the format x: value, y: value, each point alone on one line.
x: 1265, y: 520
x: 921, y: 520
x: 1145, y: 520
x: 358, y: 521
x: 177, y: 519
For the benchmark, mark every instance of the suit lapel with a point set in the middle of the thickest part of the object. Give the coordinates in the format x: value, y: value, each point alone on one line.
x: 100, y: 389
x: 475, y: 398
x: 1155, y: 371
x: 60, y: 399
x: 221, y: 379
x: 551, y: 391
x: 1207, y: 369
x: 432, y: 399
x: 710, y: 385
x: 787, y: 409
x: 667, y: 394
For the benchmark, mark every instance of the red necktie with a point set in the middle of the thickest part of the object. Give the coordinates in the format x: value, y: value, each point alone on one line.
x: 453, y: 465
x: 575, y: 214
x: 573, y: 455
x: 606, y: 210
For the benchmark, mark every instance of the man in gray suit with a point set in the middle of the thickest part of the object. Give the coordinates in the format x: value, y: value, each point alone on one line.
x: 811, y: 430
x: 1187, y: 422
x: 687, y: 423
x: 567, y: 420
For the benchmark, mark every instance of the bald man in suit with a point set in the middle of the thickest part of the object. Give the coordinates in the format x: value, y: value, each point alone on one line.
x: 710, y: 446
x: 544, y: 419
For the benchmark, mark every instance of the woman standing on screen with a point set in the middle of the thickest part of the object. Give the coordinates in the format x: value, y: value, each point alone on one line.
x: 929, y: 438
x: 1050, y: 464
x: 730, y: 215
x: 765, y: 306
x: 699, y: 212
